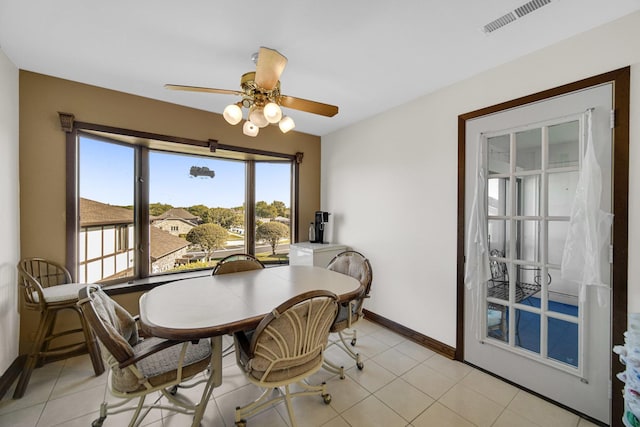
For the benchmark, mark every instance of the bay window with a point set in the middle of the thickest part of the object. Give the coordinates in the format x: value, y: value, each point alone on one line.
x: 134, y: 198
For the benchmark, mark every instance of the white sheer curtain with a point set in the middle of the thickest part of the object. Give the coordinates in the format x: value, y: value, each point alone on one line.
x: 589, y: 225
x: 477, y: 270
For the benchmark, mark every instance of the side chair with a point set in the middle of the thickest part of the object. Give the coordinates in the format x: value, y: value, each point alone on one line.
x: 143, y: 366
x: 356, y: 265
x: 236, y: 263
x: 286, y: 348
x: 46, y: 287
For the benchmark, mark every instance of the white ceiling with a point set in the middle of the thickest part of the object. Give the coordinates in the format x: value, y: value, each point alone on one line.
x: 365, y: 56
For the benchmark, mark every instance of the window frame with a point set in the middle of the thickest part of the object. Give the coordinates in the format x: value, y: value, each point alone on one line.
x: 144, y: 142
x: 122, y: 238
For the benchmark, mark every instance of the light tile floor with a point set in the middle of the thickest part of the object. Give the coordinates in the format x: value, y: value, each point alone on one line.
x: 402, y: 384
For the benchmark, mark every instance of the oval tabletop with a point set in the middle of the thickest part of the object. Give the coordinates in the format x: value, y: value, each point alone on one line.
x: 222, y: 304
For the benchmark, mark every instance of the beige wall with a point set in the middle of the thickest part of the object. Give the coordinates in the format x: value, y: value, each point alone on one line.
x: 42, y: 152
x: 397, y: 200
x: 9, y: 212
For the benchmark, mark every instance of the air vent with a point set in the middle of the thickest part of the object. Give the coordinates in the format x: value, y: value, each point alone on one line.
x: 523, y: 10
x: 527, y: 8
x: 498, y: 23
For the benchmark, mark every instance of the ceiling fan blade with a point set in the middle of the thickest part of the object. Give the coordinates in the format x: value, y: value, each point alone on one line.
x: 270, y: 65
x: 203, y: 89
x: 308, y: 106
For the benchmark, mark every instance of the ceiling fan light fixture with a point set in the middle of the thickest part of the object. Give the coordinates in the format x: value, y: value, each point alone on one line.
x: 260, y: 95
x: 272, y: 112
x: 256, y: 115
x: 250, y: 129
x: 286, y: 124
x: 232, y: 114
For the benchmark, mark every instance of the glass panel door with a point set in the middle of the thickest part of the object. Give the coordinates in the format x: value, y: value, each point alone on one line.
x: 527, y: 324
x: 531, y: 182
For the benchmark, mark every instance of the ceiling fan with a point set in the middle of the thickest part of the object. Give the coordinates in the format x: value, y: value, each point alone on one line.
x: 261, y: 95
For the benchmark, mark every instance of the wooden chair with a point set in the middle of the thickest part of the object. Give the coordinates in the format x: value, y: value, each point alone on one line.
x: 236, y: 263
x: 141, y: 366
x: 46, y: 287
x: 356, y: 265
x: 286, y: 347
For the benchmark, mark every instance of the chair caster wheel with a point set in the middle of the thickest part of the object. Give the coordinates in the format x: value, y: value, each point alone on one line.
x: 98, y: 422
x: 326, y: 398
x: 360, y: 365
x: 173, y: 390
x: 353, y: 342
x: 241, y: 423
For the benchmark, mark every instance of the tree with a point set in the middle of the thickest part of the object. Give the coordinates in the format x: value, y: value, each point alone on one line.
x: 199, y: 211
x: 226, y: 217
x: 272, y: 232
x: 280, y: 207
x: 156, y: 209
x: 209, y: 237
x: 263, y: 210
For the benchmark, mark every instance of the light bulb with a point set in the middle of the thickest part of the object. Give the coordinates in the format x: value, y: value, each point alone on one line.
x: 272, y: 112
x: 232, y: 114
x: 250, y: 129
x: 286, y: 124
x: 256, y: 115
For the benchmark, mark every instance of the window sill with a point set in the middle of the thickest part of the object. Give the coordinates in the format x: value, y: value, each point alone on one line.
x: 148, y: 283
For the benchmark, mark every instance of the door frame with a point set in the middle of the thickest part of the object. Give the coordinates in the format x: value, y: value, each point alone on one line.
x: 620, y: 79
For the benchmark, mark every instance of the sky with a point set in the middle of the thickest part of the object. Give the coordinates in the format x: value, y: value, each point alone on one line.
x: 106, y: 175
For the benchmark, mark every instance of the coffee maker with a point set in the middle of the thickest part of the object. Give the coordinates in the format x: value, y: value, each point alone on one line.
x: 321, y: 219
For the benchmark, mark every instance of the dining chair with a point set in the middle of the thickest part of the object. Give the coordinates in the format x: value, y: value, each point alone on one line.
x: 286, y: 348
x: 140, y: 366
x: 236, y: 263
x: 356, y: 265
x: 46, y: 287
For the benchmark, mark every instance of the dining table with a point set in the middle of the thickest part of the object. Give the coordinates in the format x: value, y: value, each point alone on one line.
x: 215, y: 305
